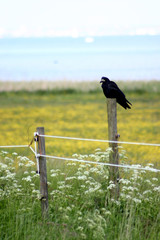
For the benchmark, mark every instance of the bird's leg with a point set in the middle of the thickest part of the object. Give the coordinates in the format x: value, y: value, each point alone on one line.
x: 117, y: 136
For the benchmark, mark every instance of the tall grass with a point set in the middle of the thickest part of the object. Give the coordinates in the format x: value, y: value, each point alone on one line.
x: 74, y: 86
x: 80, y: 202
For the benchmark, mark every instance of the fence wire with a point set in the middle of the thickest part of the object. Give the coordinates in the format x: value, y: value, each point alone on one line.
x: 100, y: 140
x: 34, y: 151
x: 101, y: 163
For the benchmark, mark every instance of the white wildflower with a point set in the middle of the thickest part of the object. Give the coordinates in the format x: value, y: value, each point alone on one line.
x: 3, y: 166
x: 86, y: 173
x: 97, y: 149
x: 69, y: 209
x: 79, y: 173
x: 61, y: 183
x: 82, y: 166
x: 155, y: 179
x: 35, y: 191
x: 93, y: 170
x: 150, y: 164
x: 137, y: 200
x: 74, y: 155
x: 82, y: 177
x: 130, y: 188
x: 27, y: 179
x: 9, y: 159
x: 32, y: 185
x: 111, y: 186
x: 100, y: 191
x: 124, y: 181
x: 157, y: 189
x: 62, y: 187
x: 62, y: 174
x: 107, y: 213
x: 149, y: 168
x: 147, y: 192
x: 148, y: 181
x: 68, y: 186
x: 71, y: 164
x: 23, y: 159
x: 10, y: 175
x: 115, y: 201
x: 20, y: 164
x: 14, y: 154
x: 4, y: 152
x: 70, y: 178
x: 30, y: 163
x: 88, y: 165
x: 54, y: 175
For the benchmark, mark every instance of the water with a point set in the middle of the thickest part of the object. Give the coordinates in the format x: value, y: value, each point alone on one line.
x: 66, y: 58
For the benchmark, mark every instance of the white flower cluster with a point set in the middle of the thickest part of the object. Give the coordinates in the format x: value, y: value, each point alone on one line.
x: 88, y: 185
x: 80, y: 194
x: 12, y: 182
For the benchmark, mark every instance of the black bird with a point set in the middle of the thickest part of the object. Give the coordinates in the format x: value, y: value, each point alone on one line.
x: 111, y: 90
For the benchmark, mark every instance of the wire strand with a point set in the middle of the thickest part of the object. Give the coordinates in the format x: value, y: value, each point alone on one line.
x: 101, y: 163
x: 37, y: 157
x: 14, y: 146
x: 32, y: 150
x: 99, y: 140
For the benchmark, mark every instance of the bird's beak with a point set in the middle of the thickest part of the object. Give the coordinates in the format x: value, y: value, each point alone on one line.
x: 101, y: 81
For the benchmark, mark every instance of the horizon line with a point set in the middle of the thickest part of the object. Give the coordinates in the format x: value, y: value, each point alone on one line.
x: 87, y: 37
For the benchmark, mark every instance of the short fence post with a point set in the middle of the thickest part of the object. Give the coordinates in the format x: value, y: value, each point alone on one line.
x: 113, y: 136
x: 43, y: 173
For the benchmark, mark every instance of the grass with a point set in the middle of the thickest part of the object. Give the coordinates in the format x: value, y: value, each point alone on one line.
x: 80, y: 201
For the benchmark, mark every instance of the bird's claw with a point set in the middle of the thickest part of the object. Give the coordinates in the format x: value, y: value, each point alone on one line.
x: 117, y: 136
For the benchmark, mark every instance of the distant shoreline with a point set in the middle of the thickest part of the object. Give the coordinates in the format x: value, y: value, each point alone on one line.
x: 77, y: 86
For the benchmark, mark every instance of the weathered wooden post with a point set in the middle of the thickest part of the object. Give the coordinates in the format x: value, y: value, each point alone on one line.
x: 43, y: 173
x: 113, y: 136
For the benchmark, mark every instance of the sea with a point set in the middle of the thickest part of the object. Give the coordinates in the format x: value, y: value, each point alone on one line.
x: 80, y: 59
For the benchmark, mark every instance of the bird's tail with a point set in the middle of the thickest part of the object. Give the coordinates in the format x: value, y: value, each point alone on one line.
x: 128, y: 102
x: 124, y: 103
x: 127, y: 106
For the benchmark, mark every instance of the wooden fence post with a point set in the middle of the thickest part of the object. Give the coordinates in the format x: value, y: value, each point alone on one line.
x: 43, y: 173
x: 113, y: 136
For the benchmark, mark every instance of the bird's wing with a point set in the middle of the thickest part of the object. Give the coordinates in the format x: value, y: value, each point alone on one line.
x: 114, y: 85
x: 114, y: 90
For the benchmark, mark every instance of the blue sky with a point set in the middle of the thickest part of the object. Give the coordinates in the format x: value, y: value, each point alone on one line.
x: 37, y: 18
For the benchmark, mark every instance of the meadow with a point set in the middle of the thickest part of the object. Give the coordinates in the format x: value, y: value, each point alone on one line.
x: 80, y: 203
x: 80, y: 111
